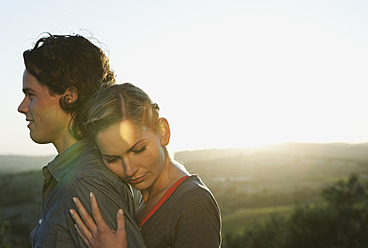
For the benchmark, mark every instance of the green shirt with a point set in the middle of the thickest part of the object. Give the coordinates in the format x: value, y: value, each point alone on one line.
x: 76, y: 172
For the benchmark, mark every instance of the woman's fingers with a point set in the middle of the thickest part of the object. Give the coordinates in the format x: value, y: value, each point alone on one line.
x: 84, y: 238
x: 98, y: 234
x: 120, y: 232
x: 97, y: 216
x: 87, y: 219
x: 82, y: 229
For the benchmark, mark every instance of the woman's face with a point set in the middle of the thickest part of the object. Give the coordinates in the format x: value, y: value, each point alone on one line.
x: 136, y: 156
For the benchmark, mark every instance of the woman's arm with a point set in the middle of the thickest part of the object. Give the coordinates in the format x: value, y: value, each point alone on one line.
x: 199, y: 221
x: 95, y: 232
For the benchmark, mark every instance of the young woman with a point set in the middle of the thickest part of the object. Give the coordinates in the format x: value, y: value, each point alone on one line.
x: 176, y: 208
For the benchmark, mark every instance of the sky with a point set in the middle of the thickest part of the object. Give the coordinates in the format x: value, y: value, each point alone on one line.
x: 226, y: 73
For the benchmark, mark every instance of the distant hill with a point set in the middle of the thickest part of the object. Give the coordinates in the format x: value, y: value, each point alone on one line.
x: 293, y: 163
x: 10, y: 164
x: 279, y: 174
x: 261, y: 155
x: 329, y: 150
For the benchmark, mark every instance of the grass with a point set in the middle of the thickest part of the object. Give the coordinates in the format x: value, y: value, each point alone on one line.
x: 240, y: 219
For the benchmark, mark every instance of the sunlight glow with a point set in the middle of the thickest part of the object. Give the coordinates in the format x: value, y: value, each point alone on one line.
x: 237, y: 73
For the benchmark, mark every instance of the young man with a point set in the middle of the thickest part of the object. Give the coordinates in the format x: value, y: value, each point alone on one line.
x: 61, y: 73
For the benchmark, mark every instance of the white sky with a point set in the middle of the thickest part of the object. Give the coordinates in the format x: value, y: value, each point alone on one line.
x: 225, y: 73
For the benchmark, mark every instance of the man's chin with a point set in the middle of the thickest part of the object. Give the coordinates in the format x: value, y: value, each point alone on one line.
x: 38, y: 140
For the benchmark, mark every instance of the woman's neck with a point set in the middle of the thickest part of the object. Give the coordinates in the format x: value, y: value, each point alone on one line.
x: 152, y: 196
x: 171, y: 173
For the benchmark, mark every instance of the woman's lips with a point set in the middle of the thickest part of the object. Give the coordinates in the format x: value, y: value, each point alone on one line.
x: 137, y: 180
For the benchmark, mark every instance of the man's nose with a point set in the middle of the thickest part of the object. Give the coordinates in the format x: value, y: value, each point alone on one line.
x: 23, y: 107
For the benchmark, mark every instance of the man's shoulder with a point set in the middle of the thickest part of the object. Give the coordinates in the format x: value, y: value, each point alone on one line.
x: 89, y: 164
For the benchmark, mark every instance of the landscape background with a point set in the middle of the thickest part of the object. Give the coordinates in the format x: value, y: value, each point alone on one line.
x: 250, y: 185
x: 226, y: 74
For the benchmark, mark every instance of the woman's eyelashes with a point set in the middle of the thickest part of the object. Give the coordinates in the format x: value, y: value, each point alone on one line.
x: 111, y: 160
x: 139, y: 150
x: 135, y: 151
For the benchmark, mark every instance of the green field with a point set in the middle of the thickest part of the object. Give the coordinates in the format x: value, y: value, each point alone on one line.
x: 249, y: 185
x: 240, y: 219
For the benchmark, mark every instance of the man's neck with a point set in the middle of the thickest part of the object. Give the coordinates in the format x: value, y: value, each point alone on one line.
x: 64, y: 143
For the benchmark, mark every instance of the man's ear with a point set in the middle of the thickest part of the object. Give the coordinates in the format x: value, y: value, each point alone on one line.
x: 164, y: 131
x: 71, y: 94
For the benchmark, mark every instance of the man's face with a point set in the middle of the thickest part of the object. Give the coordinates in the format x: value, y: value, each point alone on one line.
x: 48, y: 123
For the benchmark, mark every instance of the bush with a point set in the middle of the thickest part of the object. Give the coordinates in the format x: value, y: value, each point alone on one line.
x: 4, y: 234
x: 341, y: 221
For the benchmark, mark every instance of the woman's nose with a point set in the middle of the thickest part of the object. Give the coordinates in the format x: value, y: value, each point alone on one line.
x: 130, y: 168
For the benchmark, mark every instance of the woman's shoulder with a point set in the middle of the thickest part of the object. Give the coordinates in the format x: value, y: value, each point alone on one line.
x: 196, y: 208
x: 193, y: 190
x: 193, y: 182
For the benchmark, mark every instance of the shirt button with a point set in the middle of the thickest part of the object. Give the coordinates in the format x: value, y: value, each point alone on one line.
x: 40, y: 221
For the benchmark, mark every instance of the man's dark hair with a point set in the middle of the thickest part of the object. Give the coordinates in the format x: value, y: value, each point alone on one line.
x: 64, y: 62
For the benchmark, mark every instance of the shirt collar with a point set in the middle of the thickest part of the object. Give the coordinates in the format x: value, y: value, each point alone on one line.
x: 62, y: 162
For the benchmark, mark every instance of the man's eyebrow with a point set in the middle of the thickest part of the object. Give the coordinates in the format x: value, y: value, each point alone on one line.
x: 27, y: 90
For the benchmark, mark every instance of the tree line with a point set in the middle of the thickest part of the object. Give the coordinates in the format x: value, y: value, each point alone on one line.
x: 340, y: 221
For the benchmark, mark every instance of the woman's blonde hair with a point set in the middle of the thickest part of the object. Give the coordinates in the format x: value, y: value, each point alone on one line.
x: 119, y: 102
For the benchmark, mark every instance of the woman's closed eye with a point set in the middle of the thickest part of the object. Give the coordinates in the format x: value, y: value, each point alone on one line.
x: 110, y: 159
x: 139, y: 150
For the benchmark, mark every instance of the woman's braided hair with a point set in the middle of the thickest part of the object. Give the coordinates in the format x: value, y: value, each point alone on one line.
x: 121, y: 102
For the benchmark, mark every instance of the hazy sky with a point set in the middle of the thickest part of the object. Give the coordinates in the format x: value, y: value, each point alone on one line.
x: 224, y: 73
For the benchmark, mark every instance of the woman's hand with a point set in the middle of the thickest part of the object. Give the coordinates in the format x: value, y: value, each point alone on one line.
x: 99, y: 234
